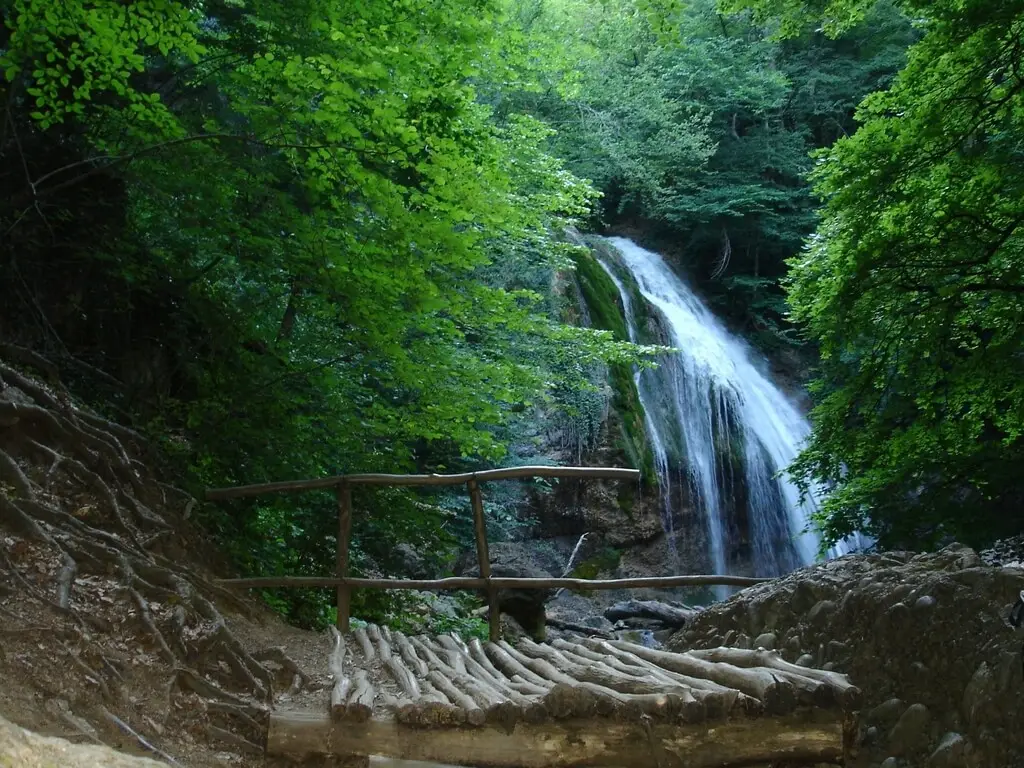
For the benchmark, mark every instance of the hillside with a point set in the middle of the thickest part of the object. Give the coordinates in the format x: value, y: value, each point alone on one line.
x: 111, y: 628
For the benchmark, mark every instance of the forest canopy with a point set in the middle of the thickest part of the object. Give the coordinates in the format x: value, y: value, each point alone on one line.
x: 913, y: 284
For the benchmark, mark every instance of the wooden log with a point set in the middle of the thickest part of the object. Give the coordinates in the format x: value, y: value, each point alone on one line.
x: 774, y: 692
x: 718, y: 701
x: 474, y: 714
x: 498, y: 582
x: 499, y: 701
x: 383, y: 646
x: 336, y: 665
x: 242, y: 491
x: 453, y: 653
x: 515, y: 686
x: 364, y: 643
x: 643, y: 695
x: 408, y: 654
x: 846, y: 693
x: 511, y: 666
x: 484, y: 559
x: 359, y: 704
x: 573, y: 697
x: 401, y: 675
x: 343, y: 598
x: 806, y: 737
x: 582, y: 629
x: 669, y: 615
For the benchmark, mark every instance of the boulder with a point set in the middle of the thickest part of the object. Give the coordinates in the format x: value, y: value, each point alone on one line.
x: 25, y: 749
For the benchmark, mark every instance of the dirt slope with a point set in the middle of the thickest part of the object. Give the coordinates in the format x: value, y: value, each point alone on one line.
x: 111, y: 628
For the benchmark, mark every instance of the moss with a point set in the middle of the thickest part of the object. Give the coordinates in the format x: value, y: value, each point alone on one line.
x: 602, y: 297
x: 605, y: 560
x: 606, y: 312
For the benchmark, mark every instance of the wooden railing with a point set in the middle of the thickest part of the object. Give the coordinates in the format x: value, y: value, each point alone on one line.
x: 344, y: 584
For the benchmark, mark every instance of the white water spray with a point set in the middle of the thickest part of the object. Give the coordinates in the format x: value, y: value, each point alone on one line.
x: 713, y: 409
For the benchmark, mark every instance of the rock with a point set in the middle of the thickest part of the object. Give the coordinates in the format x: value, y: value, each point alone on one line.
x: 411, y: 563
x: 889, y: 762
x: 793, y: 644
x: 898, y: 614
x: 886, y: 714
x: 910, y: 734
x: 526, y: 606
x: 765, y: 640
x: 836, y: 650
x: 22, y: 748
x: 743, y: 641
x: 924, y: 603
x: 805, y: 661
x: 821, y: 611
x: 950, y: 753
x: 978, y: 693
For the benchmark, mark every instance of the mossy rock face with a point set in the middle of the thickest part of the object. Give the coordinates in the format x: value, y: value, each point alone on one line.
x: 607, y: 313
x: 606, y: 560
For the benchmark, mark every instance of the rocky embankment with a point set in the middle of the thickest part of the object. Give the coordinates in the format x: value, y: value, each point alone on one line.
x: 925, y: 636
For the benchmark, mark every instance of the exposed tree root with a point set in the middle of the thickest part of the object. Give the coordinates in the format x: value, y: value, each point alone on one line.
x: 53, y: 456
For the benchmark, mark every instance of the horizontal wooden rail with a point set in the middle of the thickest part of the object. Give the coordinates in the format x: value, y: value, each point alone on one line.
x: 495, y: 582
x: 606, y: 473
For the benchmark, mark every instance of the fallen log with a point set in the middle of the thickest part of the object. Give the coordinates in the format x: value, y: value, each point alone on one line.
x: 801, y: 738
x: 581, y: 629
x: 669, y: 615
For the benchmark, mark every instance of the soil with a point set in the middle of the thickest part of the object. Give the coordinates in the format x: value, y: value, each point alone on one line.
x: 112, y: 629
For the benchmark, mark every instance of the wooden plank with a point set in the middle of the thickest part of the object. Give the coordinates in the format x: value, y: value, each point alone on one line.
x: 480, y: 529
x: 498, y: 582
x: 809, y: 736
x: 606, y: 473
x: 344, y: 591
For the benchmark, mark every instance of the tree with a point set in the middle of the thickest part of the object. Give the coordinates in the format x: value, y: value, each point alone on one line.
x: 913, y: 285
x: 697, y: 126
x: 276, y: 225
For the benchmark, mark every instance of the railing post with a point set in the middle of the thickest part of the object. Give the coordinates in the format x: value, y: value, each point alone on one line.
x: 480, y: 528
x: 344, y: 594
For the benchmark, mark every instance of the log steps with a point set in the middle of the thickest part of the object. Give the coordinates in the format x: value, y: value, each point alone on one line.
x: 448, y: 682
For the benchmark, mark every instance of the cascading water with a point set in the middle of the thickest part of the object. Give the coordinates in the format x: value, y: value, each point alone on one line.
x: 711, y: 410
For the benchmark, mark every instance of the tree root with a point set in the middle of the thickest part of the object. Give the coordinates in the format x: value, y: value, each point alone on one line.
x: 142, y: 742
x: 54, y: 455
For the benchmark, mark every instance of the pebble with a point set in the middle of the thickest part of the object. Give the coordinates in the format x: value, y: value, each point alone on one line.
x: 950, y: 753
x: 765, y: 640
x: 910, y: 734
x: 887, y: 713
x: 924, y: 602
x: 821, y: 610
x: 889, y: 762
x: 805, y: 661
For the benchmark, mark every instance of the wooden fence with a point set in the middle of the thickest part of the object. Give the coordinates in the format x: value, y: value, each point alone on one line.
x: 345, y: 584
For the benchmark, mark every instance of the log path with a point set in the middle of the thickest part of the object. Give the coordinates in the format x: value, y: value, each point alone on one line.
x: 686, y: 707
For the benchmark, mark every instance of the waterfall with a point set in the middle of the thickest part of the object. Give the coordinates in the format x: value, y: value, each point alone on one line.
x: 718, y: 423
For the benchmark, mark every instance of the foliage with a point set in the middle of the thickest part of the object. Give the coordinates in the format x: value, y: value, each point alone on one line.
x: 274, y: 233
x: 913, y: 286
x: 697, y: 126
x: 605, y: 560
x: 433, y: 618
